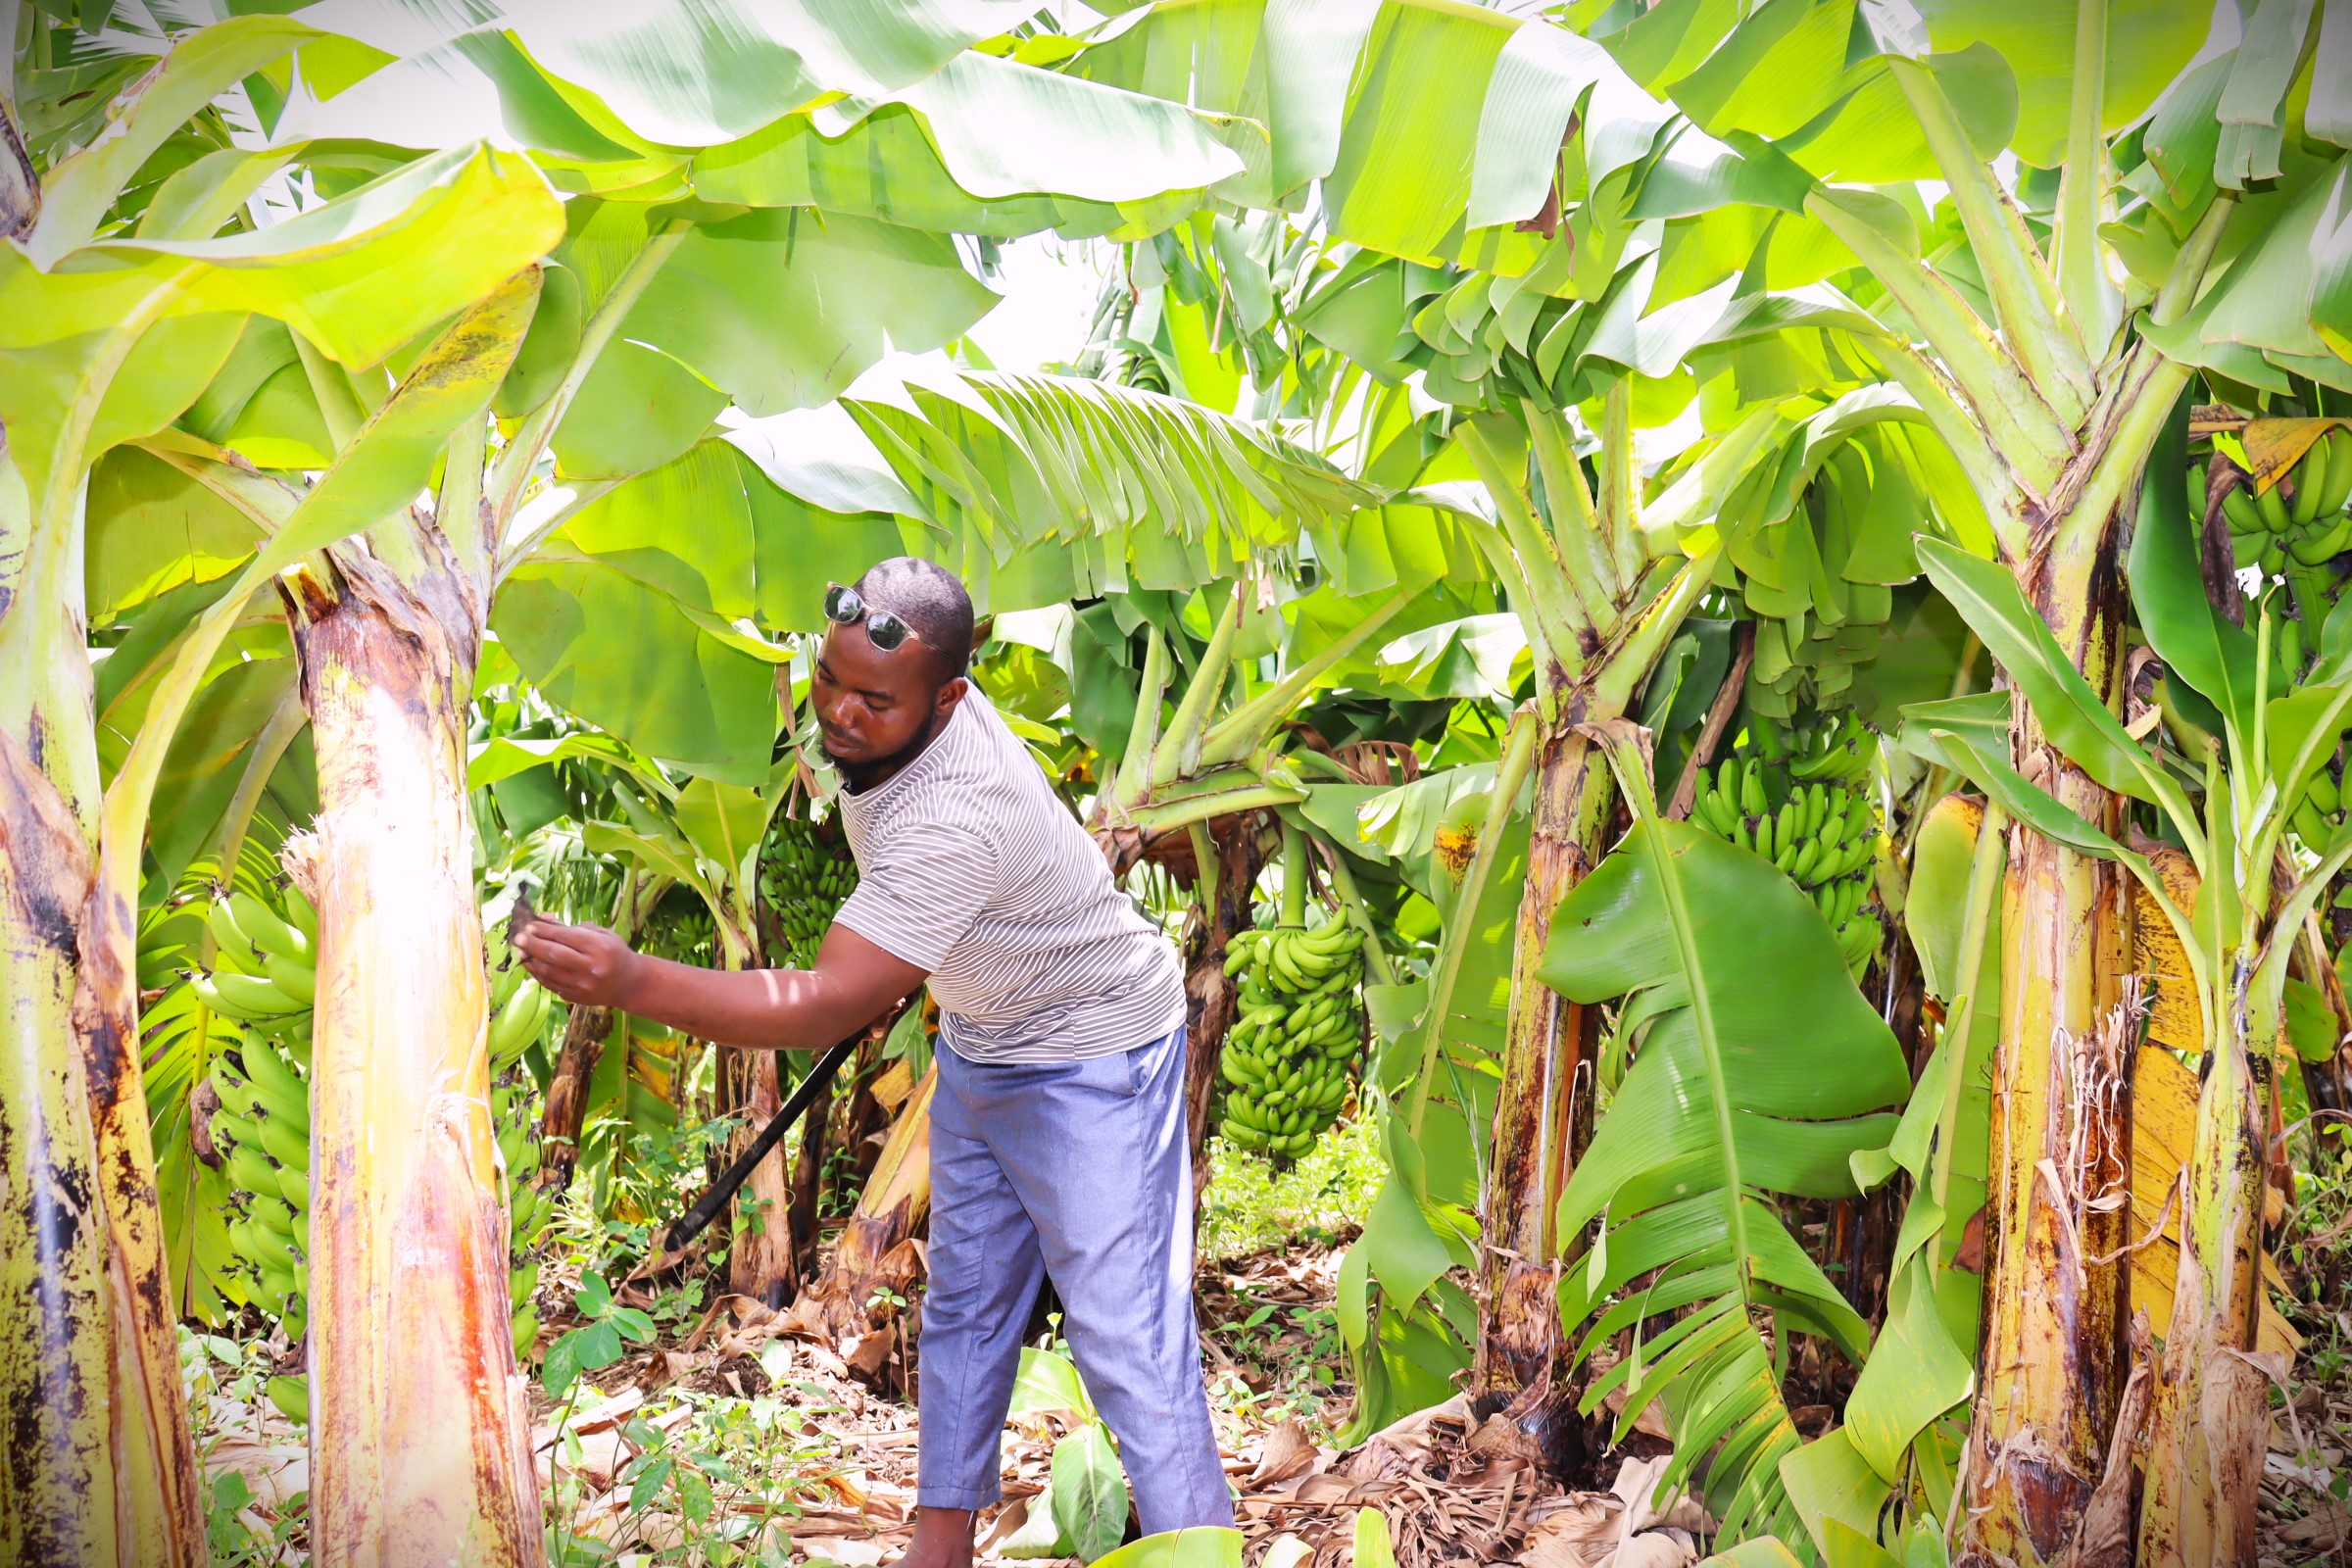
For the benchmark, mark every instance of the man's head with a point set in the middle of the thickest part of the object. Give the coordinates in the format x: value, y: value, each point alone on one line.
x: 876, y: 709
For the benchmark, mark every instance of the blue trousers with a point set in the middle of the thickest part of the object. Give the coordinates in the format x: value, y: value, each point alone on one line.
x: 1080, y: 1171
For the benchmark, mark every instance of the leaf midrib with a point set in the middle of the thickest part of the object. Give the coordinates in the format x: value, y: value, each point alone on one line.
x: 1702, y: 1012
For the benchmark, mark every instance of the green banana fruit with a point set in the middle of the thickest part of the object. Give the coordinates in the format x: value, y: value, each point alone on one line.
x: 266, y: 931
x: 248, y: 999
x: 2338, y: 488
x: 2271, y: 507
x: 2311, y: 477
x: 1822, y: 834
x: 1285, y: 1060
x: 803, y: 883
x: 2244, y: 516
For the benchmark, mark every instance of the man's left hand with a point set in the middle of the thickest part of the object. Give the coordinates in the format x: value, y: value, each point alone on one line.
x: 581, y: 964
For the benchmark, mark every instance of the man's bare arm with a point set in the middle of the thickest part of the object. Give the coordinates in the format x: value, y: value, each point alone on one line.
x: 853, y: 983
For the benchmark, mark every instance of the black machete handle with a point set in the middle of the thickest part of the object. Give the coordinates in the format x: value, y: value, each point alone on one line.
x: 687, y: 1226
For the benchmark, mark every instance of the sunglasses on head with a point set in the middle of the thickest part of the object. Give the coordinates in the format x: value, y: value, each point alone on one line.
x: 844, y: 606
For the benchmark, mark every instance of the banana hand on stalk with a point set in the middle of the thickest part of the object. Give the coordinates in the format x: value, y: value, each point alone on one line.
x: 2300, y: 520
x: 266, y: 978
x: 803, y: 884
x: 1811, y: 814
x: 1301, y: 1017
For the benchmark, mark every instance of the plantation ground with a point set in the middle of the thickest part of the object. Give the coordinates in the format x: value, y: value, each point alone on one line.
x: 725, y: 1443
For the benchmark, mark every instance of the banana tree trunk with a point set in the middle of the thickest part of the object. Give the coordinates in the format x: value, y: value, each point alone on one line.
x: 58, y: 1494
x: 419, y: 1446
x: 876, y: 1259
x: 2057, y: 1284
x: 760, y: 1257
x: 559, y: 1125
x: 1238, y: 848
x: 2210, y: 1410
x: 98, y: 1466
x: 1542, y: 1120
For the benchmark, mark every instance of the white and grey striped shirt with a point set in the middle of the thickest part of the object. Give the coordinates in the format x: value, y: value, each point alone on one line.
x: 971, y: 867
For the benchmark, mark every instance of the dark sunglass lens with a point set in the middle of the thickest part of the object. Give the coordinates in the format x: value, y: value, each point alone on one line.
x: 885, y: 630
x: 843, y: 605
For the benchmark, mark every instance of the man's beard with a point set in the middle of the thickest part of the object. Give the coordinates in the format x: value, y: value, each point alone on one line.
x: 865, y: 775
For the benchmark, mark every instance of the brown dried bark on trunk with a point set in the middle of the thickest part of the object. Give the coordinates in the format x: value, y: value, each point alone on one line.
x: 877, y: 1257
x: 1542, y: 1120
x: 584, y: 1035
x: 1209, y: 991
x: 2057, y: 1284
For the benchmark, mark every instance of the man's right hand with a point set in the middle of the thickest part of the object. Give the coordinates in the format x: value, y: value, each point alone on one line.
x: 581, y: 964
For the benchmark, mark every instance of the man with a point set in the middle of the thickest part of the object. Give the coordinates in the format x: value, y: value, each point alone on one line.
x: 1058, y: 1136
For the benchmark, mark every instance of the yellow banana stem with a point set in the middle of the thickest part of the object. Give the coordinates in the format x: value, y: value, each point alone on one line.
x: 100, y: 1466
x: 2209, y: 1416
x: 420, y: 1441
x: 58, y: 1486
x: 2057, y: 1282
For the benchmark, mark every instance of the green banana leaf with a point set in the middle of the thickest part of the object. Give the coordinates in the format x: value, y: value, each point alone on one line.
x: 690, y: 74
x: 1760, y: 1072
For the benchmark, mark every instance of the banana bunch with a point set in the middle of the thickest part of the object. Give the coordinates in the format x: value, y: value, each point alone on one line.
x: 265, y: 970
x: 2321, y: 816
x: 1302, y: 1017
x: 520, y: 1009
x: 803, y: 883
x: 263, y: 1127
x: 681, y: 927
x: 1836, y: 750
x: 264, y: 976
x: 265, y: 965
x: 1822, y: 830
x: 2299, y: 519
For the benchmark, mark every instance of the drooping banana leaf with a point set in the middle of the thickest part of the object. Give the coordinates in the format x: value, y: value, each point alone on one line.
x: 1758, y: 1072
x: 1046, y: 488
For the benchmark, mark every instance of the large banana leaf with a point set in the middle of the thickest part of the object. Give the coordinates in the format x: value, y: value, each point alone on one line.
x: 1048, y: 488
x: 693, y: 73
x: 1435, y: 128
x: 1759, y: 1071
x: 776, y: 309
x: 149, y: 323
x: 981, y: 144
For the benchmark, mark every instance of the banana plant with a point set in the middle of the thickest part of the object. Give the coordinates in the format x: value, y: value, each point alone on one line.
x: 110, y: 338
x: 2047, y: 360
x: 706, y: 836
x: 1760, y: 1072
x: 2207, y: 1400
x: 331, y: 382
x: 1525, y: 267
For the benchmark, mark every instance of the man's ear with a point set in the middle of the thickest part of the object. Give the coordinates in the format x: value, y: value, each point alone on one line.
x: 949, y: 695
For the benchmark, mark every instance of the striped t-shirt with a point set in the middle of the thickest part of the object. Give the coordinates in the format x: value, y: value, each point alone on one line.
x: 971, y: 867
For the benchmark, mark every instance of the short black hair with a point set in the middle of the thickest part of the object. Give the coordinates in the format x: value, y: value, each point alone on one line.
x: 930, y: 599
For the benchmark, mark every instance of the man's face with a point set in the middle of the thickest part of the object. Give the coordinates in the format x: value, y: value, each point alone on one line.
x: 870, y: 705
